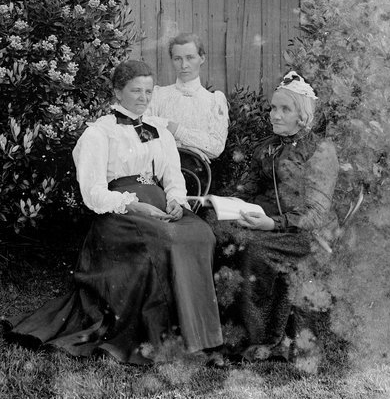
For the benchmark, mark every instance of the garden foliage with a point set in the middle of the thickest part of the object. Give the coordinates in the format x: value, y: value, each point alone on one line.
x: 343, y: 52
x: 249, y: 122
x: 55, y: 61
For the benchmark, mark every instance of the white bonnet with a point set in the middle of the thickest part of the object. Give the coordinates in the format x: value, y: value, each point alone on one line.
x: 293, y: 82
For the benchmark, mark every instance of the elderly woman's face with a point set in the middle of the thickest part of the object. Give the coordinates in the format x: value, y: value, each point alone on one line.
x: 284, y: 114
x: 136, y: 95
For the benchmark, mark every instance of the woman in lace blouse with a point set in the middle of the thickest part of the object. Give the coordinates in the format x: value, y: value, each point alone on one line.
x: 197, y: 118
x: 145, y: 265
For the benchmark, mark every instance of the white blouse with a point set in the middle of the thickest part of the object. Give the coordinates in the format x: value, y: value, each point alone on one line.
x: 107, y: 151
x: 202, y: 116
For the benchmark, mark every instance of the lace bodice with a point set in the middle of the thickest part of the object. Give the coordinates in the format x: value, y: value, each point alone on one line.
x: 202, y: 116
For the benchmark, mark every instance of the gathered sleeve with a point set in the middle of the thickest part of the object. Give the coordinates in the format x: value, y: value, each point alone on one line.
x: 211, y: 140
x: 320, y: 177
x: 91, y: 159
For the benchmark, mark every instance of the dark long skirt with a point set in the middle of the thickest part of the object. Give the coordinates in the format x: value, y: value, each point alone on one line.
x: 136, y: 277
x: 268, y: 263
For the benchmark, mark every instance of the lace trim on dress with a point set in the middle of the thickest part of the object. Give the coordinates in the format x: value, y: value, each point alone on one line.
x: 127, y: 198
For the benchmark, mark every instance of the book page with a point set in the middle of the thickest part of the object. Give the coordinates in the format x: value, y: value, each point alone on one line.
x: 228, y: 208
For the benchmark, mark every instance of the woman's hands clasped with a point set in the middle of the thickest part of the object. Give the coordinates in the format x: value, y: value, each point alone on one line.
x: 148, y: 210
x: 173, y: 211
x: 256, y: 221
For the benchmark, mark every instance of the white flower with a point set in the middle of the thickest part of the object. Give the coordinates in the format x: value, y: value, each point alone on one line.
x: 16, y: 42
x: 3, y: 141
x: 66, y: 11
x: 53, y: 64
x: 67, y: 78
x: 53, y: 38
x: 118, y: 33
x: 102, y: 7
x: 109, y: 26
x: 96, y: 42
x: 70, y: 200
x: 53, y: 109
x: 112, y: 3
x: 73, y: 68
x: 21, y: 24
x: 94, y: 3
x: 105, y: 48
x: 66, y: 49
x: 54, y: 75
x: 47, y: 45
x: 79, y: 10
x: 3, y: 72
x: 4, y: 9
x: 49, y: 132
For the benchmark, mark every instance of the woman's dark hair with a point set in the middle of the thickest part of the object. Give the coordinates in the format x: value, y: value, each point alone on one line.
x: 183, y: 38
x: 128, y: 70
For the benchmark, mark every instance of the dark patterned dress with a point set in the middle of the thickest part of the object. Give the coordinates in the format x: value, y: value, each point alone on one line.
x: 306, y: 170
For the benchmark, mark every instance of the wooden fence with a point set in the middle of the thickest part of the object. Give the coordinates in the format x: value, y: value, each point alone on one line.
x: 244, y: 39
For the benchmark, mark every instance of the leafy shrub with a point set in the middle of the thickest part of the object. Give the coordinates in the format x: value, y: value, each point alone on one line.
x: 249, y: 122
x: 55, y: 62
x: 344, y: 54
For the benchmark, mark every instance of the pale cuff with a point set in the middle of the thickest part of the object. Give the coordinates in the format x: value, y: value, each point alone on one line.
x: 127, y: 198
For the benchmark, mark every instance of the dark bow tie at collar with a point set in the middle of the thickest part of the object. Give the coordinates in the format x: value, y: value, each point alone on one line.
x: 145, y: 131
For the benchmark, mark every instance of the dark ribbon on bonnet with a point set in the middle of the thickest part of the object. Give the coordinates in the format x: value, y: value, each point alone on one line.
x: 145, y: 131
x: 286, y: 81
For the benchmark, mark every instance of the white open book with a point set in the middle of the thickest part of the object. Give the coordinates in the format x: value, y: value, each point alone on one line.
x: 226, y: 208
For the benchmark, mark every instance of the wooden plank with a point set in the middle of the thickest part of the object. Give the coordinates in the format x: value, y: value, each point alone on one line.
x: 168, y: 29
x: 252, y: 45
x: 289, y: 23
x: 200, y: 26
x: 184, y: 15
x: 234, y: 16
x: 271, y: 65
x: 217, y: 46
x: 136, y: 15
x: 150, y: 14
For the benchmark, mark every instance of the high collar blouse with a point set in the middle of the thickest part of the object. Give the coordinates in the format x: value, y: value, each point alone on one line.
x: 202, y: 116
x: 107, y: 151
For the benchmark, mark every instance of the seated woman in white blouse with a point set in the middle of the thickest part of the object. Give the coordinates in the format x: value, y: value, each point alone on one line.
x: 197, y: 118
x: 145, y: 265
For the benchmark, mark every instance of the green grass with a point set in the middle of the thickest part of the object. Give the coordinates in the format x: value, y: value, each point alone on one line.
x: 28, y: 374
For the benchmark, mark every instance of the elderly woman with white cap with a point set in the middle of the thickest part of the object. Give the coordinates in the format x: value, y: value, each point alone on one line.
x: 293, y: 177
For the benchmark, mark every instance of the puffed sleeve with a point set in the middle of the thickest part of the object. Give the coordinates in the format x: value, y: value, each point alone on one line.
x: 91, y: 156
x: 321, y: 172
x: 211, y: 141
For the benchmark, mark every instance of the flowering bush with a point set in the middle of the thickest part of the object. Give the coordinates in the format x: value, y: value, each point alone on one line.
x: 55, y: 62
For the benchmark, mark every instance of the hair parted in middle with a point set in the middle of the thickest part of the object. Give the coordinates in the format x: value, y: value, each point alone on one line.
x: 128, y: 70
x: 186, y: 37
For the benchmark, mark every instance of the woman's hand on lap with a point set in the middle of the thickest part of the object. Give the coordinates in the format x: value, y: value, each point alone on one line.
x: 148, y: 210
x: 175, y: 210
x: 256, y: 221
